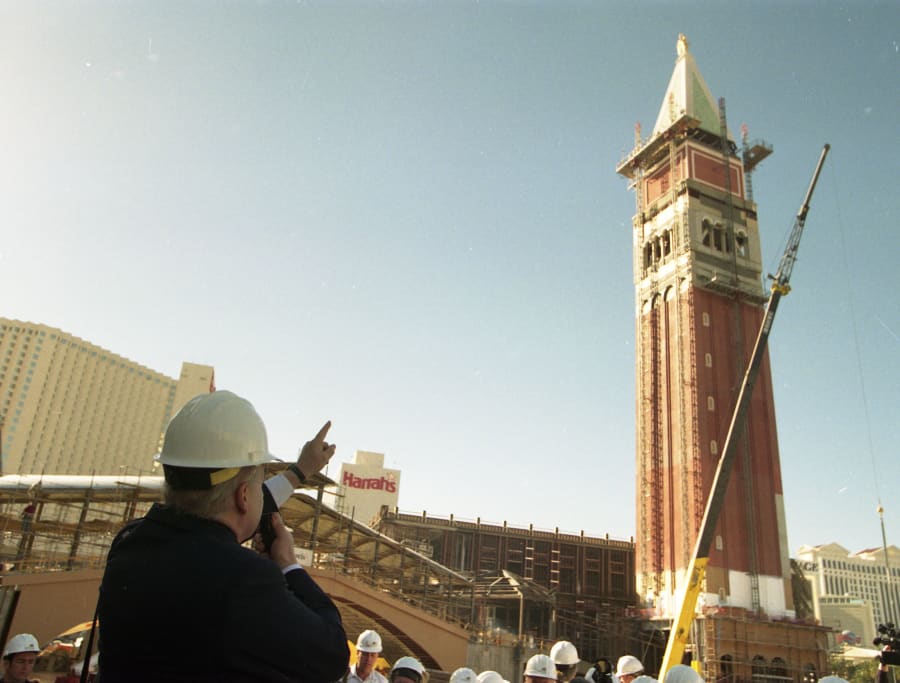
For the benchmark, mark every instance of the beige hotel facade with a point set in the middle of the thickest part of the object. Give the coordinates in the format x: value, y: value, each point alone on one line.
x: 70, y: 407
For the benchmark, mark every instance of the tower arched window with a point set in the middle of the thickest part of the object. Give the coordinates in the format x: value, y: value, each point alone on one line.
x: 718, y: 237
x: 708, y: 360
x: 740, y: 239
x: 706, y: 233
x: 710, y: 403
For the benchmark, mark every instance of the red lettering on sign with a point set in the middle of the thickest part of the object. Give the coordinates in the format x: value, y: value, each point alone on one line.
x: 376, y: 483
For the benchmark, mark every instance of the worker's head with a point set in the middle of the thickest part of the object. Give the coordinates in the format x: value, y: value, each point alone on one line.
x: 565, y: 657
x: 540, y: 669
x: 368, y: 647
x: 628, y: 668
x: 490, y: 676
x: 681, y: 673
x: 464, y: 675
x: 19, y: 656
x: 407, y: 670
x: 212, y: 455
x: 601, y: 671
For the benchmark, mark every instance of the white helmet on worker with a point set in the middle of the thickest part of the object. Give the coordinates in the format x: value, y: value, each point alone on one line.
x: 541, y: 666
x: 464, y: 675
x: 210, y: 439
x: 408, y: 667
x: 24, y: 642
x: 368, y: 641
x: 564, y: 653
x: 490, y: 677
x: 629, y: 665
x: 644, y: 678
x: 682, y: 673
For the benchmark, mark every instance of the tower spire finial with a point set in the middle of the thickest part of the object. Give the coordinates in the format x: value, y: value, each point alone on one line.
x: 682, y: 46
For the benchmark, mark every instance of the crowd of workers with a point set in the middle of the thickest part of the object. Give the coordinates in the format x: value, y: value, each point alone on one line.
x: 184, y: 600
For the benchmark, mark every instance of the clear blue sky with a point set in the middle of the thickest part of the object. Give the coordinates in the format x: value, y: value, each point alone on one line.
x: 405, y: 217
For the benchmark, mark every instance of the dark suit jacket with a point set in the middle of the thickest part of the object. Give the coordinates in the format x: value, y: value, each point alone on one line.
x: 181, y: 600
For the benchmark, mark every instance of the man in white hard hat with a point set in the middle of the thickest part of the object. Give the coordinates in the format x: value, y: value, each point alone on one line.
x: 19, y: 656
x: 601, y: 672
x: 628, y: 668
x: 540, y: 669
x: 464, y: 675
x: 490, y: 676
x: 565, y: 657
x: 407, y: 670
x: 182, y: 600
x: 368, y: 647
x: 682, y: 673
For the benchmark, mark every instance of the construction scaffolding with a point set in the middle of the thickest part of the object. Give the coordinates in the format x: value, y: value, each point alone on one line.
x: 530, y: 586
x: 571, y: 586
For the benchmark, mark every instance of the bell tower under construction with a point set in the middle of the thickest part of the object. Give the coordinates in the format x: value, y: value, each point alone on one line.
x: 699, y: 298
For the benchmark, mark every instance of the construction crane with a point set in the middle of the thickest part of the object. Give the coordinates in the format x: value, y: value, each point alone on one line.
x: 696, y: 569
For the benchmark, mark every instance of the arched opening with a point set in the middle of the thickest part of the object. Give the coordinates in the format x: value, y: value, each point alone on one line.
x: 726, y: 669
x: 778, y: 669
x: 740, y: 239
x: 758, y: 668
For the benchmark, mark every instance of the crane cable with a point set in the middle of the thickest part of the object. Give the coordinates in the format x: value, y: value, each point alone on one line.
x: 890, y: 607
x: 848, y: 287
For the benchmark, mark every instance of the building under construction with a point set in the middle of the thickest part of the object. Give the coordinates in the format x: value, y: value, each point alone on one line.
x: 580, y: 586
x: 699, y: 304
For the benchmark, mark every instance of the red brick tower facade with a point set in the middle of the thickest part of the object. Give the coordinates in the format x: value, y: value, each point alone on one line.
x: 699, y: 303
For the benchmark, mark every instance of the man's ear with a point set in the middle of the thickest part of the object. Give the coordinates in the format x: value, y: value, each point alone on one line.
x: 241, y: 497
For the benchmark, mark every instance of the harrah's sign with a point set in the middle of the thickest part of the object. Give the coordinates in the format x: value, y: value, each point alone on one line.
x: 374, y: 483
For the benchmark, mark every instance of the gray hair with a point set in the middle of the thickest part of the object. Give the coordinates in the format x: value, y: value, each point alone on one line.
x: 208, y: 503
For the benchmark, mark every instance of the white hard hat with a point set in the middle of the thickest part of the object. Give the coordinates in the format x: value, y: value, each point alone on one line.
x: 368, y: 641
x: 681, y: 673
x: 644, y: 678
x: 628, y: 664
x: 541, y: 666
x: 564, y: 653
x: 410, y: 663
x: 210, y: 438
x: 490, y: 677
x: 24, y: 642
x: 463, y: 675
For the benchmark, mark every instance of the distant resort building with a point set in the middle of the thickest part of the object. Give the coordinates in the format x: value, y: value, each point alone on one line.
x: 853, y: 591
x: 68, y: 406
x: 364, y: 486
